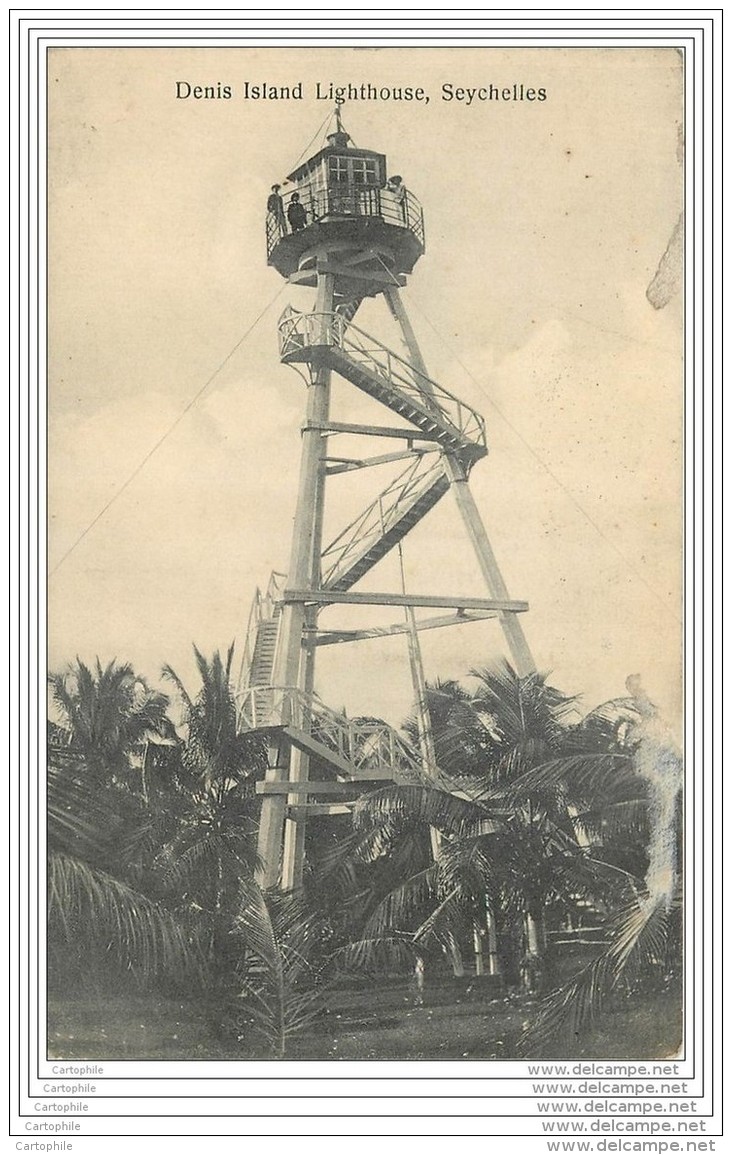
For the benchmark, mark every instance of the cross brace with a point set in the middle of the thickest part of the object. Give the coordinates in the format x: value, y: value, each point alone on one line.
x: 349, y: 464
x: 405, y: 433
x: 328, y: 597
x: 335, y: 637
x: 316, y: 787
x: 305, y: 276
x: 313, y: 809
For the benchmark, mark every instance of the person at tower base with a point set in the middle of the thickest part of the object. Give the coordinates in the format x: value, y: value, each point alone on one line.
x: 296, y: 214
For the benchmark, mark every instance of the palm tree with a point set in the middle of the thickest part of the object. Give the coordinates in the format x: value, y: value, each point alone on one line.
x: 207, y: 854
x: 282, y: 970
x: 514, y: 845
x: 106, y: 713
x: 526, y: 723
x: 101, y: 925
x: 265, y: 950
x: 158, y: 884
x: 103, y: 920
x: 645, y: 930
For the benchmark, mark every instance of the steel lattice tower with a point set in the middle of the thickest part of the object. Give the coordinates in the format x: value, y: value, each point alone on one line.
x: 354, y: 235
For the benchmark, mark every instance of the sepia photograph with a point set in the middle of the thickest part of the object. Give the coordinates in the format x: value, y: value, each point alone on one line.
x: 365, y: 434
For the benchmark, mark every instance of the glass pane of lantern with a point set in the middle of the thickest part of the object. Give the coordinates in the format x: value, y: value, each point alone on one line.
x: 339, y: 169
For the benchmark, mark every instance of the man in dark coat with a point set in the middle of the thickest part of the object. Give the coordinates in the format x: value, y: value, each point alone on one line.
x: 296, y: 214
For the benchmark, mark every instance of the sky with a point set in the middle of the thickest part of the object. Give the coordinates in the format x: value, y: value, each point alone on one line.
x: 545, y: 223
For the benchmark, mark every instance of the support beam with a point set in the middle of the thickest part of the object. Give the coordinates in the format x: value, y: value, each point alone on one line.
x: 351, y: 272
x: 399, y: 313
x: 342, y: 597
x: 370, y: 254
x: 304, y: 554
x: 298, y: 789
x: 293, y: 846
x: 407, y: 434
x: 301, y: 810
x: 455, y: 470
x: 512, y: 629
x: 349, y: 464
x: 419, y: 688
x: 337, y: 637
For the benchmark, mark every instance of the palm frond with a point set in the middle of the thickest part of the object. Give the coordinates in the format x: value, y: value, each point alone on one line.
x: 280, y: 990
x: 638, y: 936
x: 144, y: 938
x: 437, y: 808
x: 399, y: 907
x: 467, y: 866
x: 607, y: 776
x: 79, y: 821
x: 382, y: 955
x: 571, y: 1011
x: 169, y: 673
x: 627, y: 818
x: 516, y: 706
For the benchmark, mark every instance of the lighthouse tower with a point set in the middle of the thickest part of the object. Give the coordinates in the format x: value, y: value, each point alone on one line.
x: 347, y: 232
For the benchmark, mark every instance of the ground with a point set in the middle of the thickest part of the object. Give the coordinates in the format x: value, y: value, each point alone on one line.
x: 470, y: 1024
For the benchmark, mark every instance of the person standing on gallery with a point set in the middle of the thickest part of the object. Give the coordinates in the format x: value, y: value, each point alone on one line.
x: 296, y: 214
x: 277, y: 209
x: 395, y: 186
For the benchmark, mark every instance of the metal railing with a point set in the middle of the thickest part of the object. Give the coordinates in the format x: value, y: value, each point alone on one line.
x: 262, y: 609
x: 402, y: 209
x: 365, y: 743
x: 301, y: 331
x: 394, y: 503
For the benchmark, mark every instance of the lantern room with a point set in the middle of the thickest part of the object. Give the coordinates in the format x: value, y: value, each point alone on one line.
x: 343, y: 194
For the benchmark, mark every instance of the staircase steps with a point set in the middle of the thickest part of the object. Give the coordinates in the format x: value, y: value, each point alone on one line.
x: 348, y: 309
x: 385, y: 376
x: 264, y: 652
x: 352, y: 569
x: 381, y: 388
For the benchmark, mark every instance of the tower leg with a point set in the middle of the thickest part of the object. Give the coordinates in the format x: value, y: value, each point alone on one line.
x: 293, y: 852
x: 510, y: 624
x: 512, y: 629
x: 399, y: 313
x: 290, y: 670
x: 272, y: 817
x: 419, y: 688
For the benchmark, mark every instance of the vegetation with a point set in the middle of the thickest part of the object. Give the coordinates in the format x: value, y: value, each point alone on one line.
x: 543, y: 829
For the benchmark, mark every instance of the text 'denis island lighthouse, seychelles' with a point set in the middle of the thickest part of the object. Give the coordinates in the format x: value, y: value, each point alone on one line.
x: 349, y: 233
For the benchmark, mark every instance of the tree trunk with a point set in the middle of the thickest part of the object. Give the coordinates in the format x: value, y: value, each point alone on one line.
x: 535, y: 933
x: 493, y: 962
x: 533, y: 977
x: 478, y: 949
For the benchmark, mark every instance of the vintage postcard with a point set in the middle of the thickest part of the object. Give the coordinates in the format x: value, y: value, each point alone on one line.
x: 368, y: 425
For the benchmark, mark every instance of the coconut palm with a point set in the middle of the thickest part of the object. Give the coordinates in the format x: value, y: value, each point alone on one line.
x: 528, y: 723
x: 101, y: 919
x: 207, y: 853
x: 514, y: 845
x: 101, y: 925
x: 282, y: 970
x: 644, y: 941
x: 106, y: 713
x: 264, y: 956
